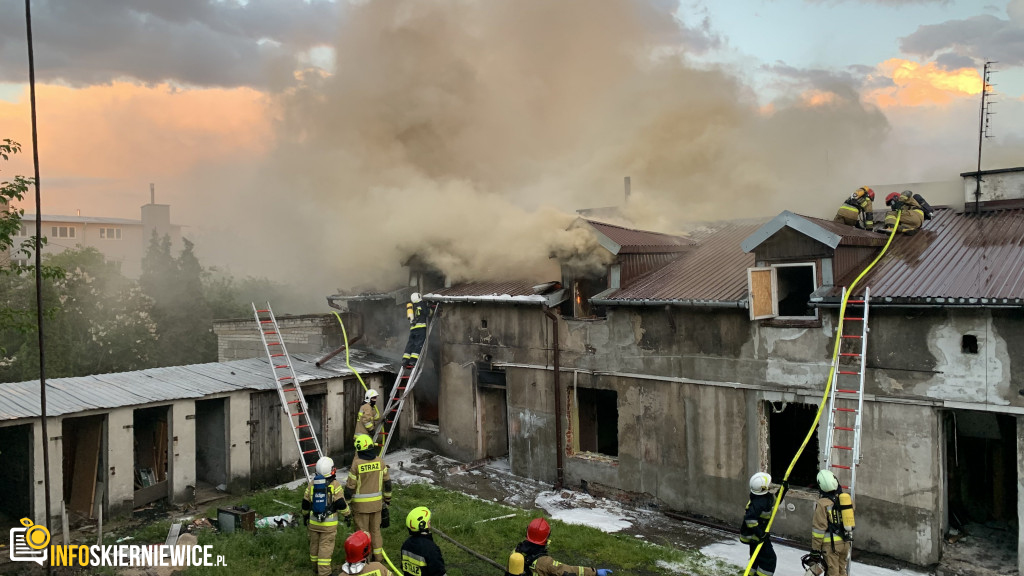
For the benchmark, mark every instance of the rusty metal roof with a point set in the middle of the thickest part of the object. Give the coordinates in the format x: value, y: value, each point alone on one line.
x: 831, y: 234
x: 955, y: 259
x: 155, y: 385
x: 631, y: 241
x: 713, y: 272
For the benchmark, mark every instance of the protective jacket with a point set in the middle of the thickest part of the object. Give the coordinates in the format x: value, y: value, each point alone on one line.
x: 421, y: 556
x: 369, y: 417
x: 755, y: 520
x: 420, y: 315
x: 368, y: 568
x: 912, y: 217
x: 336, y: 505
x: 856, y: 212
x: 827, y: 537
x: 368, y: 482
x: 539, y: 563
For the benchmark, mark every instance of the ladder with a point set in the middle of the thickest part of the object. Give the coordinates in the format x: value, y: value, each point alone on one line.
x: 846, y: 403
x: 293, y: 403
x: 402, y: 388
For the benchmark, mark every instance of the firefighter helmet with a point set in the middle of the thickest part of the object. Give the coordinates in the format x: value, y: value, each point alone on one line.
x: 371, y: 394
x: 357, y: 547
x: 538, y: 531
x: 891, y: 197
x: 868, y: 192
x: 415, y: 298
x: 827, y: 481
x: 418, y: 520
x: 325, y: 466
x: 363, y: 442
x: 759, y: 483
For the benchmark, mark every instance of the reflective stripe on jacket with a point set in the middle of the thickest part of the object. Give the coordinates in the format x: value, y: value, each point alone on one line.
x: 336, y: 504
x: 366, y: 479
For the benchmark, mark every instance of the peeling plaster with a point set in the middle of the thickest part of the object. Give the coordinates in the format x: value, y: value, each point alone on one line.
x: 965, y: 377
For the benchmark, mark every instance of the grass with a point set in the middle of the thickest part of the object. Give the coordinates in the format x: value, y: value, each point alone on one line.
x: 285, y: 552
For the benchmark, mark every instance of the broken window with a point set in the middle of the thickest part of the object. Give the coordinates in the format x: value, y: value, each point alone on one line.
x: 782, y: 291
x: 425, y: 396
x: 969, y: 344
x: 788, y: 424
x: 597, y: 421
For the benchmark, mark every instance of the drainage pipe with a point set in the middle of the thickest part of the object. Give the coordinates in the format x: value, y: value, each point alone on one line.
x: 559, y: 441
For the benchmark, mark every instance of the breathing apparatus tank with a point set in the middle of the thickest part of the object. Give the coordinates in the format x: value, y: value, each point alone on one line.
x: 846, y: 505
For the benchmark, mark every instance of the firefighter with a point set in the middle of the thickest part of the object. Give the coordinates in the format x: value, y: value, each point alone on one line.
x: 321, y: 504
x: 369, y: 415
x: 753, y: 531
x: 357, y: 555
x: 912, y: 212
x: 418, y: 313
x: 531, y: 556
x: 369, y: 490
x: 420, y: 555
x: 828, y: 535
x: 857, y: 209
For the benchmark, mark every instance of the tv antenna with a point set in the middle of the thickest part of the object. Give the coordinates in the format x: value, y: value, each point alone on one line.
x: 983, y: 125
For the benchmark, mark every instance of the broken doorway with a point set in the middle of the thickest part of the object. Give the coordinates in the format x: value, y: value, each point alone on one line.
x: 16, y: 481
x: 84, y: 465
x: 788, y: 424
x: 211, y: 444
x: 151, y: 448
x: 316, y: 406
x: 597, y: 419
x: 981, y: 487
x: 492, y: 412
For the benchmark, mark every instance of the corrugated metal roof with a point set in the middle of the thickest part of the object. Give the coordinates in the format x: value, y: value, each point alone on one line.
x: 505, y: 288
x: 100, y: 391
x: 954, y: 258
x: 712, y: 271
x: 851, y: 236
x: 640, y: 241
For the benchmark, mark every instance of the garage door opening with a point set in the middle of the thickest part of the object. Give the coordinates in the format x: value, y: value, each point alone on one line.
x: 16, y: 481
x: 211, y: 445
x: 151, y: 447
x: 84, y: 466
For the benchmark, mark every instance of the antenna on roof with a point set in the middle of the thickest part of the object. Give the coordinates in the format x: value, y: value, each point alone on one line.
x: 983, y: 125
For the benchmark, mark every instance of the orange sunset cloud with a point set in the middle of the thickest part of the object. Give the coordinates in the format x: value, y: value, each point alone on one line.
x: 126, y: 130
x: 926, y: 84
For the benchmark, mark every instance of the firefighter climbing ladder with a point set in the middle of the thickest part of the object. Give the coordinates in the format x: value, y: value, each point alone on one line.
x: 401, y: 390
x: 842, y: 439
x: 293, y: 403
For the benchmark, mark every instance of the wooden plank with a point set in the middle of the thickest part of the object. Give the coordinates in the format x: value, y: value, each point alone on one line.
x: 87, y: 455
x: 150, y: 494
x: 762, y: 301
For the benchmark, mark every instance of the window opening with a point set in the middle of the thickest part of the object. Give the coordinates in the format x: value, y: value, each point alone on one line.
x: 110, y: 233
x: 597, y: 414
x: 795, y: 285
x: 425, y: 396
x: 788, y: 423
x: 969, y: 344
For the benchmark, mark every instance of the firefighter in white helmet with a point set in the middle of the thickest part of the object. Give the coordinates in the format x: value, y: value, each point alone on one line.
x: 321, y: 504
x: 754, y: 529
x: 418, y: 312
x: 369, y: 415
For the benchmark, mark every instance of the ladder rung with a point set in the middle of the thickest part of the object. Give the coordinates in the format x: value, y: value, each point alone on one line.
x: 848, y: 372
x: 854, y: 301
x: 841, y: 466
x: 853, y: 354
x: 847, y: 409
x: 849, y: 336
x: 302, y: 426
x: 266, y: 321
x: 304, y: 439
x: 269, y: 333
x: 313, y: 464
x: 283, y: 378
x: 842, y: 447
x: 292, y: 401
x: 309, y: 451
x: 854, y: 318
x: 273, y: 343
x: 276, y: 366
x: 846, y: 391
x: 276, y: 355
x: 844, y: 428
x: 288, y: 390
x: 267, y: 310
x: 299, y: 414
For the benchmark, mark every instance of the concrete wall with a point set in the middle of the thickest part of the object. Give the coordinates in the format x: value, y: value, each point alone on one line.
x: 238, y: 441
x: 1003, y: 186
x: 238, y: 339
x: 182, y: 460
x: 121, y: 458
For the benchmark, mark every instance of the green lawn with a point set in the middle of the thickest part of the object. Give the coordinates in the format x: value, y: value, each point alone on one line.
x: 286, y: 552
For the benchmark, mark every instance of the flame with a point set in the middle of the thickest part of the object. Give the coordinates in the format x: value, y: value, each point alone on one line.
x: 917, y: 84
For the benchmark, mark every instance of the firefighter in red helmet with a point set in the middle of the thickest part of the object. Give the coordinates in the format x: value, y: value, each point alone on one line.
x: 857, y: 209
x: 913, y: 214
x: 357, y: 556
x: 531, y: 556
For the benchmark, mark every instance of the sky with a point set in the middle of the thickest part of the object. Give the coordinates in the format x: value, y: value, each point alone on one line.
x: 325, y: 142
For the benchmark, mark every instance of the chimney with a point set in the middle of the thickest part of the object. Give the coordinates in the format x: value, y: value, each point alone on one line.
x: 152, y: 193
x: 627, y: 188
x: 79, y: 211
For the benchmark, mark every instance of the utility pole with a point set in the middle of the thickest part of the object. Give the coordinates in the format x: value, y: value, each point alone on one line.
x: 986, y: 104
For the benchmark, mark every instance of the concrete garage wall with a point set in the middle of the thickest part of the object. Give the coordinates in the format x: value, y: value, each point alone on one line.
x: 121, y: 459
x: 531, y: 407
x: 182, y: 460
x: 239, y: 465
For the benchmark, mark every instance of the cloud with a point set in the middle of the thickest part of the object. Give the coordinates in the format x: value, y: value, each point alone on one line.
x: 982, y: 37
x: 193, y: 42
x: 915, y: 84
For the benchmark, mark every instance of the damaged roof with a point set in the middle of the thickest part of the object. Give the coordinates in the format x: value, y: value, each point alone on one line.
x: 622, y: 240
x: 548, y: 293
x: 104, y: 391
x: 712, y: 272
x: 957, y: 258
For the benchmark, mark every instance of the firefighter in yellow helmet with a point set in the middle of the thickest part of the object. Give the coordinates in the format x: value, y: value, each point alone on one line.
x: 368, y: 490
x: 321, y: 504
x: 420, y: 555
x: 829, y: 535
x: 857, y: 209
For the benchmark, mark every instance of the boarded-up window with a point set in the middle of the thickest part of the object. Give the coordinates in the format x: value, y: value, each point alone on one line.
x: 761, y: 290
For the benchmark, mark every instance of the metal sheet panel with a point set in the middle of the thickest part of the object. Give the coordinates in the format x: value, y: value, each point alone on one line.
x: 641, y: 241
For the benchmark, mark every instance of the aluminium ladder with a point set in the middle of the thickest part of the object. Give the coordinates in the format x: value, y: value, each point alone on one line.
x: 288, y: 389
x: 402, y: 388
x: 846, y: 403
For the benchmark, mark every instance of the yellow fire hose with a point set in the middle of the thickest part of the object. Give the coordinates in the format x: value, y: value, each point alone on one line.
x: 828, y: 386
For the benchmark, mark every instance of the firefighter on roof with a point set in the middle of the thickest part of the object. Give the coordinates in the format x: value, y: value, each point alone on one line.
x: 913, y: 212
x: 369, y: 490
x: 321, y: 504
x: 531, y: 556
x: 857, y: 209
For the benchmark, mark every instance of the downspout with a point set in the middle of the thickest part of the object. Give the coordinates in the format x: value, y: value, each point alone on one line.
x: 559, y: 441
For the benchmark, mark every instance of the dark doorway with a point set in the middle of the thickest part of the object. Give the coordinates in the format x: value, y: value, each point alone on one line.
x: 788, y: 423
x: 151, y: 447
x: 265, y: 440
x: 317, y: 406
x: 211, y: 442
x: 493, y: 412
x: 795, y: 283
x: 84, y: 478
x: 598, y: 417
x: 16, y: 481
x: 981, y: 467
